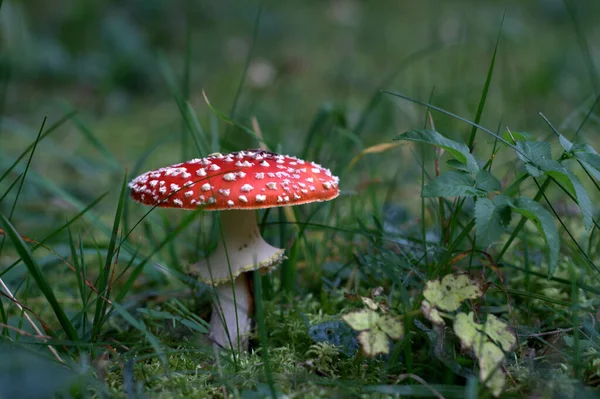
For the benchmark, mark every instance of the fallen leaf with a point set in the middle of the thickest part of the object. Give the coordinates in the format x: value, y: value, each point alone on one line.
x: 451, y: 291
x: 374, y: 342
x: 362, y: 319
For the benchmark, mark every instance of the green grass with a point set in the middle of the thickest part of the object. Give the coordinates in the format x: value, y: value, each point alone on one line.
x: 121, y: 92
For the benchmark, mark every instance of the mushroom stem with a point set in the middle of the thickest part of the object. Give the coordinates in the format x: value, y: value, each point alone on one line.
x: 241, y: 250
x: 231, y: 314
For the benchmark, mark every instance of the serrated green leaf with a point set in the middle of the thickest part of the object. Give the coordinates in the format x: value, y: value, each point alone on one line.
x: 501, y: 204
x: 374, y: 342
x: 459, y: 150
x: 451, y: 291
x: 391, y: 325
x: 517, y: 136
x: 591, y: 162
x: 565, y: 143
x: 536, y: 155
x: 572, y: 183
x: 538, y: 161
x: 456, y: 164
x: 432, y: 314
x: 490, y: 370
x: 488, y: 222
x: 537, y: 152
x: 542, y: 219
x: 487, y: 182
x: 499, y: 332
x: 452, y: 184
x: 360, y: 320
x: 590, y: 169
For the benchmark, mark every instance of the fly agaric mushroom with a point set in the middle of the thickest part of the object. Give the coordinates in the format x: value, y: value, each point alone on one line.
x: 237, y: 184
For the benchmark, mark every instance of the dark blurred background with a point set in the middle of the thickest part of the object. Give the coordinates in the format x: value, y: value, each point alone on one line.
x: 113, y: 61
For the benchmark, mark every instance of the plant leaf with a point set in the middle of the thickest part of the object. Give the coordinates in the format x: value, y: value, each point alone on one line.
x: 360, y: 320
x: 565, y: 143
x: 451, y: 291
x: 374, y: 342
x: 589, y: 159
x: 370, y: 303
x: 452, y: 184
x: 432, y: 314
x: 490, y: 370
x: 543, y: 221
x: 499, y: 332
x: 538, y: 161
x: 392, y: 326
x: 536, y: 155
x: 517, y: 136
x: 459, y: 150
x: 487, y: 182
x: 456, y: 164
x: 489, y: 355
x: 466, y: 330
x: 489, y: 224
x: 591, y: 169
x: 572, y: 183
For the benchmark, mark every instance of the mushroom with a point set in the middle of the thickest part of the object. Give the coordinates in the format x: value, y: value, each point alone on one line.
x: 237, y: 184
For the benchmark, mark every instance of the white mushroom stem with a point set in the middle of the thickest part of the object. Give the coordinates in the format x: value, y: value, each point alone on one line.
x: 241, y: 249
x: 230, y: 321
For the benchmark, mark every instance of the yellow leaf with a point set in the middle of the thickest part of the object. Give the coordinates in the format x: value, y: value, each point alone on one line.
x: 373, y: 342
x: 432, y: 314
x: 392, y: 326
x: 466, y: 330
x: 362, y: 319
x: 370, y: 303
x: 449, y: 293
x: 490, y: 367
x: 490, y: 356
x: 499, y: 332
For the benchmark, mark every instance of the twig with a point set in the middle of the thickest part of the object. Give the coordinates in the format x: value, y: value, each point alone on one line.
x: 256, y: 127
x: 35, y: 327
x: 559, y: 331
x: 23, y: 332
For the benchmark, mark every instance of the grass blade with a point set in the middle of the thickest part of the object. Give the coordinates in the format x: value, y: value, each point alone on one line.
x: 104, y: 285
x: 144, y: 330
x: 486, y: 87
x: 262, y: 331
x: 51, y: 129
x: 245, y: 72
x: 38, y: 276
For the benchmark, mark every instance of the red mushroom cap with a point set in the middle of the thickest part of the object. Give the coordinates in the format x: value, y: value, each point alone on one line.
x: 249, y: 179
